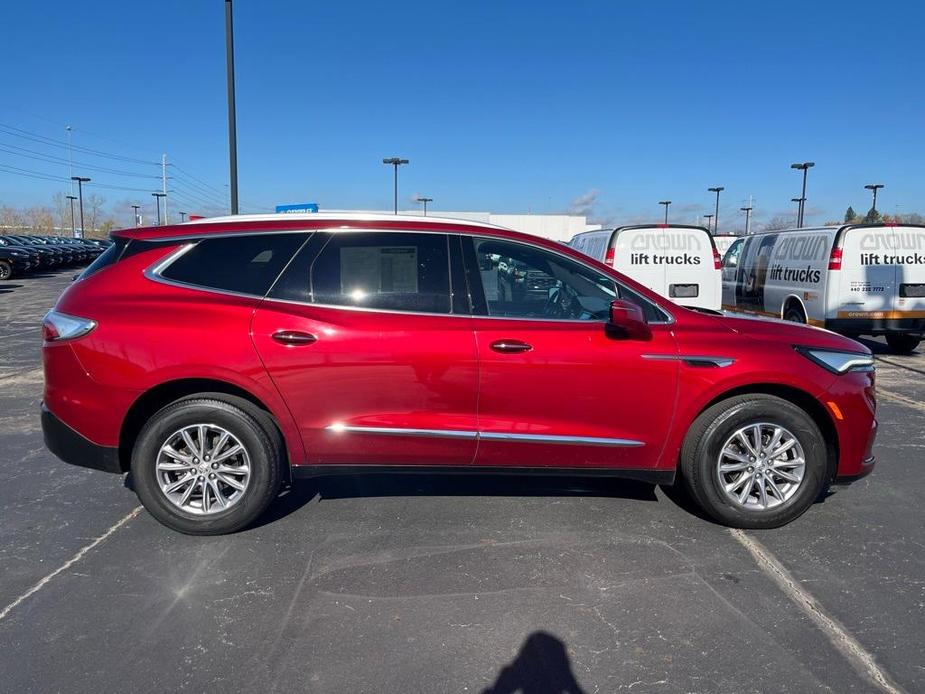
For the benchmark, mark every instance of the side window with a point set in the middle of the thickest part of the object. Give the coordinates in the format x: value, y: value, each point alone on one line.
x: 242, y: 264
x: 383, y: 270
x: 522, y: 281
x: 731, y: 259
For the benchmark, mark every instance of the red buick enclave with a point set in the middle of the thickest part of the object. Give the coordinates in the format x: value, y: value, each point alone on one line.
x: 217, y: 360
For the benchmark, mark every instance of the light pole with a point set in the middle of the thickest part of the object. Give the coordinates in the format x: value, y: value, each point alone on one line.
x: 232, y: 121
x: 80, y: 196
x: 72, y: 198
x: 874, y: 187
x: 709, y: 218
x: 395, y: 162
x: 424, y: 202
x: 799, y: 202
x: 748, y: 217
x: 667, y: 204
x: 70, y: 157
x: 135, y: 208
x: 805, y: 166
x: 158, y: 196
x: 182, y: 217
x: 717, y: 190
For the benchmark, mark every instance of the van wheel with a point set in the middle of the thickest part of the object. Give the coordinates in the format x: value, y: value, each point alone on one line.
x: 795, y: 314
x: 203, y: 466
x: 754, y: 461
x: 902, y: 343
x: 6, y: 270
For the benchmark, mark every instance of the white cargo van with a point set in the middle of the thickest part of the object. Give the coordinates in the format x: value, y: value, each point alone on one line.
x: 857, y: 279
x: 679, y: 262
x: 723, y: 242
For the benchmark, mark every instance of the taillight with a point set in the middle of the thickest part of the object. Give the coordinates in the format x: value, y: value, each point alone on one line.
x: 609, y: 258
x: 717, y: 261
x: 60, y: 326
x: 835, y: 258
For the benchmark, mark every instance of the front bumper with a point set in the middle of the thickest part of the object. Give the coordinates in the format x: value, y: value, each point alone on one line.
x: 867, y: 467
x: 73, y: 448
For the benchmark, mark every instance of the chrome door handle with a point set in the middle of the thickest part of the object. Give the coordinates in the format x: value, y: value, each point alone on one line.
x: 293, y: 337
x: 510, y: 346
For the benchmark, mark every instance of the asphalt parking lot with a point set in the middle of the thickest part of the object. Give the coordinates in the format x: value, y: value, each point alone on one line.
x: 426, y: 584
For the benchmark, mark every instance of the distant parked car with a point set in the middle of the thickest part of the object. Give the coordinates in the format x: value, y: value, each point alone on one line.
x: 217, y: 359
x: 14, y: 261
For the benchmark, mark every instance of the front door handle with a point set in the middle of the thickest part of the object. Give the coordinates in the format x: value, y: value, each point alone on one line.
x: 510, y: 346
x: 293, y: 337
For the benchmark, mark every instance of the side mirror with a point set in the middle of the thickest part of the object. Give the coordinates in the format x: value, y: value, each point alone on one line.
x: 628, y: 318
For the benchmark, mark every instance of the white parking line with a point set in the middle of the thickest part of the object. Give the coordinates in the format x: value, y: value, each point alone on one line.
x: 69, y: 563
x: 859, y: 657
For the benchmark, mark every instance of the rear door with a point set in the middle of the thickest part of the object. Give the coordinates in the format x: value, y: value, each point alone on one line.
x: 869, y: 275
x: 909, y: 300
x: 372, y: 351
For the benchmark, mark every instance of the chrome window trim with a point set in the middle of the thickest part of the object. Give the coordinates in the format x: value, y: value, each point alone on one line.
x: 700, y: 359
x: 338, y: 428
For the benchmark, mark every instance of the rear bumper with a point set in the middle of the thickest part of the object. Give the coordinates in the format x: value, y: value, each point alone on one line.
x: 73, y: 448
x: 876, y: 326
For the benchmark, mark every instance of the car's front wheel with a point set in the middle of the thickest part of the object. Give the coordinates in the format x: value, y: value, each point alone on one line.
x: 205, y: 466
x: 6, y: 270
x: 754, y: 461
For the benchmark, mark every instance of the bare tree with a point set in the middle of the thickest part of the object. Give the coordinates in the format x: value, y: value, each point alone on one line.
x: 93, y: 212
x: 776, y: 223
x: 41, y: 220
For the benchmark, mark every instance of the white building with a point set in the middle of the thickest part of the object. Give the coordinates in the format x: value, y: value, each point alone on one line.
x: 558, y: 227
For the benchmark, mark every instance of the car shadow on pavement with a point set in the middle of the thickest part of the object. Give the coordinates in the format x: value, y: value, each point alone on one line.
x: 6, y: 288
x: 470, y: 484
x: 541, y: 667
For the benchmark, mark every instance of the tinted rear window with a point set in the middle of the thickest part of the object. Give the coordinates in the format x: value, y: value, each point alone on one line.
x: 242, y: 264
x: 106, y: 258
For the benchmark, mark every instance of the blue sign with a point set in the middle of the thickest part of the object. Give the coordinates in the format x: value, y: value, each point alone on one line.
x: 298, y: 207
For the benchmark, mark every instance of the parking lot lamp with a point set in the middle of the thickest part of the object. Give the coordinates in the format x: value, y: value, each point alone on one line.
x: 717, y: 190
x: 72, y: 198
x: 799, y: 202
x: 666, y: 203
x: 395, y: 162
x: 874, y: 187
x: 709, y: 218
x: 424, y: 202
x: 182, y: 217
x: 157, y: 197
x: 137, y: 219
x: 748, y: 217
x: 80, y: 196
x: 805, y: 166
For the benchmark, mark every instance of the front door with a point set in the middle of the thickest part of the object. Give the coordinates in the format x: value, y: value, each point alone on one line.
x: 556, y: 387
x: 361, y: 338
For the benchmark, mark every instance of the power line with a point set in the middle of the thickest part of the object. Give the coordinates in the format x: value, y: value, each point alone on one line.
x: 35, y: 137
x: 32, y: 154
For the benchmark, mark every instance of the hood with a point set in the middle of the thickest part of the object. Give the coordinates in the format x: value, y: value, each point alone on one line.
x: 776, y: 330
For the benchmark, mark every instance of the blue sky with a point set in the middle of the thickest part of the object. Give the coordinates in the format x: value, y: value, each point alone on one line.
x: 605, y: 107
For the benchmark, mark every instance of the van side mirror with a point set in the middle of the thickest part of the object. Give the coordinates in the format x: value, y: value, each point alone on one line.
x: 628, y: 318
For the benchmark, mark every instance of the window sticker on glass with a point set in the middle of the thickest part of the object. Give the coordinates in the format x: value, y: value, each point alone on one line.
x: 383, y: 269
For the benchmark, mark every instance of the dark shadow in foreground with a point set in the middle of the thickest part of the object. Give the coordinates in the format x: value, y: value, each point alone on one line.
x: 541, y: 667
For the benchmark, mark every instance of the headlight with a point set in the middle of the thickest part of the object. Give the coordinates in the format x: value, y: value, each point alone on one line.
x: 838, y: 362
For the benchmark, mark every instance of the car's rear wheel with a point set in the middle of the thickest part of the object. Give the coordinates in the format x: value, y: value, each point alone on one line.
x: 205, y: 466
x: 754, y: 461
x: 902, y: 343
x: 6, y: 270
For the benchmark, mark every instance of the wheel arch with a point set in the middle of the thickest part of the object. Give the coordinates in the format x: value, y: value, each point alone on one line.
x: 789, y: 301
x: 802, y: 399
x: 163, y: 394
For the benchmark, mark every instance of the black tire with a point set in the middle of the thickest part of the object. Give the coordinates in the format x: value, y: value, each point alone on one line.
x: 710, y: 431
x: 242, y: 420
x: 902, y: 343
x: 6, y: 270
x: 795, y: 314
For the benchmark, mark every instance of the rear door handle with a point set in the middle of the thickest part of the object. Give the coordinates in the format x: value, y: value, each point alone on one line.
x: 293, y: 337
x: 510, y: 346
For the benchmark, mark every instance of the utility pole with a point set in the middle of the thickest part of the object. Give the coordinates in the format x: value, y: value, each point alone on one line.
x: 424, y: 201
x: 232, y: 126
x: 80, y: 194
x: 164, y: 186
x: 748, y: 218
x: 158, y: 196
x: 709, y: 218
x: 72, y: 198
x: 874, y: 187
x: 137, y: 220
x: 717, y: 190
x: 667, y: 204
x: 805, y: 166
x: 182, y: 217
x: 799, y: 202
x: 396, y: 162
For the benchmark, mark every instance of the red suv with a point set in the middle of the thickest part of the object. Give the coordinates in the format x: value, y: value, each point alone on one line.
x: 217, y: 360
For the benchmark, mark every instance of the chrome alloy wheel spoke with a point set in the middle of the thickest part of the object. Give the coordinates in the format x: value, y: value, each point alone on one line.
x: 203, y: 469
x: 760, y: 466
